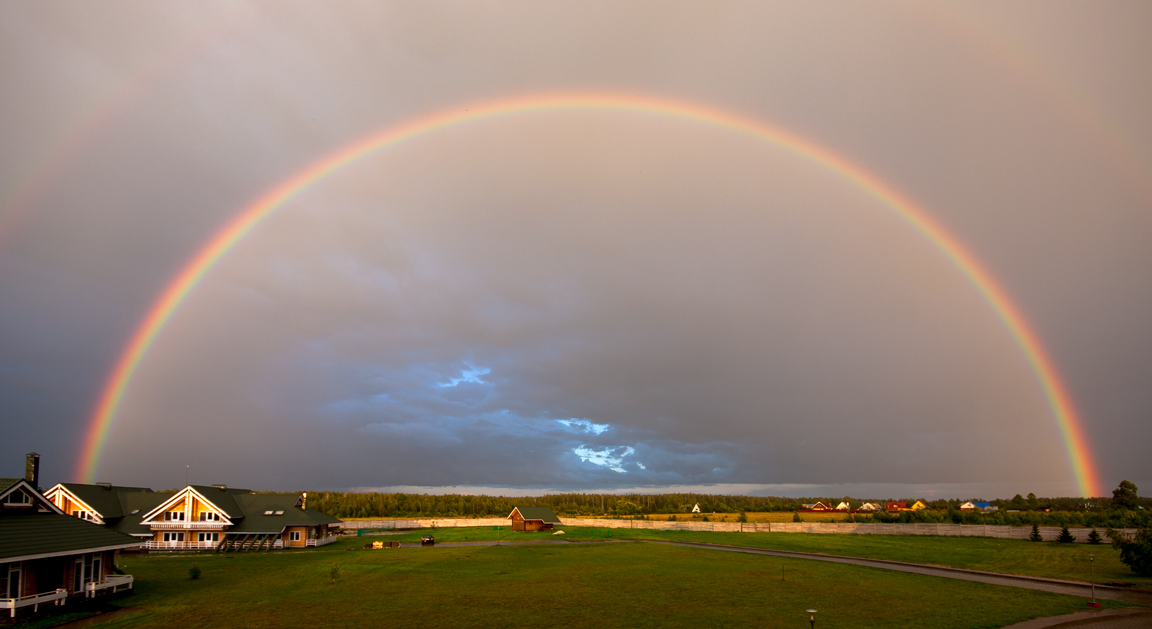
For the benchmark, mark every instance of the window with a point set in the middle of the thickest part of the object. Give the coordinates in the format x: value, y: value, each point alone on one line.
x: 294, y: 536
x: 10, y: 581
x: 17, y: 498
x: 208, y: 516
x: 173, y: 537
x: 173, y: 516
x: 207, y: 537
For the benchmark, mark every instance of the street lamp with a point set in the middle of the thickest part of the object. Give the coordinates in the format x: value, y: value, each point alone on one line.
x: 1092, y: 579
x: 811, y: 617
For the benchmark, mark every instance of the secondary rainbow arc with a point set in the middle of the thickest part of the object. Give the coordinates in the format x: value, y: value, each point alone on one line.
x: 1068, y: 423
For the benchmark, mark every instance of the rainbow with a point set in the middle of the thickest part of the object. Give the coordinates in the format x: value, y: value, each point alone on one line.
x: 1075, y: 441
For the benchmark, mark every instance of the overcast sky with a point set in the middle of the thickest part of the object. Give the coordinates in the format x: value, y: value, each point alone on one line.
x: 578, y: 300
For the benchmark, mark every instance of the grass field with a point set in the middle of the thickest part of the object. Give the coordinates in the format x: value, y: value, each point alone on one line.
x: 1041, y: 559
x: 578, y: 585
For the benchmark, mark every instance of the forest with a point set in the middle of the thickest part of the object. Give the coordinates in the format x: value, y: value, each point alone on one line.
x: 1099, y: 512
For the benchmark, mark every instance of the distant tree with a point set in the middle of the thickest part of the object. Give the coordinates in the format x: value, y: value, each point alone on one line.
x: 743, y: 517
x: 1094, y: 537
x: 1065, y: 536
x: 1135, y: 552
x: 1124, y: 496
x: 796, y: 517
x: 1036, y: 536
x: 1018, y: 501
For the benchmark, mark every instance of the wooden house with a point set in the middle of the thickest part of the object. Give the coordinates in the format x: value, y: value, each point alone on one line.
x: 818, y: 506
x: 843, y: 506
x: 895, y: 506
x: 869, y: 506
x: 199, y: 517
x: 50, y: 558
x: 918, y: 506
x: 533, y: 519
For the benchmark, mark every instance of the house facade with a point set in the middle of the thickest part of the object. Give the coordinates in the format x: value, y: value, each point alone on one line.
x: 50, y: 558
x: 533, y: 519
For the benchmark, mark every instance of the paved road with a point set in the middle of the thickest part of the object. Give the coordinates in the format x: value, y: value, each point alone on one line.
x: 1106, y: 619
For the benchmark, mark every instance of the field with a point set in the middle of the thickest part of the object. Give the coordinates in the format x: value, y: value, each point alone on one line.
x: 1043, y: 559
x: 577, y: 585
x: 759, y: 516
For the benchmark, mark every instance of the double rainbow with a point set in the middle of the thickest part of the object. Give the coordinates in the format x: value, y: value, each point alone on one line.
x: 1064, y: 414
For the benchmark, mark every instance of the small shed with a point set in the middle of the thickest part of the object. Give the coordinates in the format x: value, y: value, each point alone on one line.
x: 533, y: 519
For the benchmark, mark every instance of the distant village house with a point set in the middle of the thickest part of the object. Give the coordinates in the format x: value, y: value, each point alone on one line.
x: 533, y: 519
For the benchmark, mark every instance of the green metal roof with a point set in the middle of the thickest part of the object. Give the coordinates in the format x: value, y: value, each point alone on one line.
x: 107, y: 501
x: 37, y: 534
x: 256, y: 505
x: 538, y: 513
x: 141, y: 503
x: 5, y: 483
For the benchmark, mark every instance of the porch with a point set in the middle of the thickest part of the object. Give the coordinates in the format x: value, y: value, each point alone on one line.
x: 55, y: 597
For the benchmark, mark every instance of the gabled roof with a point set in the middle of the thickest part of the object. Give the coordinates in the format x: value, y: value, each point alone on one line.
x: 11, y: 485
x: 33, y: 535
x: 104, y: 501
x: 220, y: 499
x: 255, y: 506
x: 537, y: 513
x: 136, y: 505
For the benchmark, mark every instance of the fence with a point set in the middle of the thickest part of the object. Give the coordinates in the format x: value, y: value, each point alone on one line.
x: 1049, y: 533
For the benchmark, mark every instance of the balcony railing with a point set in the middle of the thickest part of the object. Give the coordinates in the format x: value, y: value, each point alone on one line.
x: 35, y: 600
x: 194, y: 524
x: 113, y: 581
x: 322, y: 541
x: 155, y: 545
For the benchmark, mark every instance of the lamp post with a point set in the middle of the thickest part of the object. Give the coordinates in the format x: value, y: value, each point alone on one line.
x: 811, y: 617
x: 1092, y: 579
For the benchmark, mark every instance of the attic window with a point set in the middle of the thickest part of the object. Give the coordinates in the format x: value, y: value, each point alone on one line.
x: 134, y: 512
x: 279, y: 513
x: 269, y: 512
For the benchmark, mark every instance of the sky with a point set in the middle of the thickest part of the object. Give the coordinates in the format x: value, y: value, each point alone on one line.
x: 578, y: 299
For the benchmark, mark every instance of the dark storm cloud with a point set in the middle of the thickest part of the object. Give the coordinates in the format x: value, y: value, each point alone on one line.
x: 575, y: 300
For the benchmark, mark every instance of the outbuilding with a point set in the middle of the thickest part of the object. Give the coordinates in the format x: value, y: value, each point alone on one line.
x: 533, y: 519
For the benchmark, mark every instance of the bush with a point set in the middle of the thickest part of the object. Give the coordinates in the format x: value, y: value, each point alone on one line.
x: 1136, y: 553
x: 743, y: 516
x: 1065, y: 536
x: 194, y: 572
x: 335, y: 572
x: 796, y: 517
x: 1094, y: 537
x: 1035, y: 536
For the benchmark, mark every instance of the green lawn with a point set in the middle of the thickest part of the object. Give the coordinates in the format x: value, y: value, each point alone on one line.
x: 1041, y: 559
x: 579, y: 585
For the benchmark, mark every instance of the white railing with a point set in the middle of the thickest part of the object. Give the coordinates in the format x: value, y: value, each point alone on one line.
x: 323, y: 541
x: 111, y: 581
x: 155, y: 545
x: 35, y: 600
x: 196, y: 524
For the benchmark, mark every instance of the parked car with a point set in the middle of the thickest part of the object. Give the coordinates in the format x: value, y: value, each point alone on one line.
x: 427, y: 539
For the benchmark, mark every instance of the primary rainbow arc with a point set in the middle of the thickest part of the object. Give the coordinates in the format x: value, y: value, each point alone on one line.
x: 1058, y: 399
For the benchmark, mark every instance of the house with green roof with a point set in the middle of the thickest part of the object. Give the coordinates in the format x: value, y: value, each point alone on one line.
x: 533, y: 519
x: 199, y: 517
x: 224, y: 518
x: 50, y: 558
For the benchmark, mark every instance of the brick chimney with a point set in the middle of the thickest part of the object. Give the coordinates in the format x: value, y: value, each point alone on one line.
x: 32, y: 469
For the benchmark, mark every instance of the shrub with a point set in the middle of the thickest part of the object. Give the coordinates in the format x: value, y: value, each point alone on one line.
x: 1036, y: 536
x: 1094, y: 537
x: 335, y: 572
x: 1065, y: 536
x: 194, y: 572
x: 1136, y: 553
x: 743, y: 516
x: 796, y: 517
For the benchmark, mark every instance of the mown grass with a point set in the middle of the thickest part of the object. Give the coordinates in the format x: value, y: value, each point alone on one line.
x: 1041, y: 559
x: 577, y: 585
